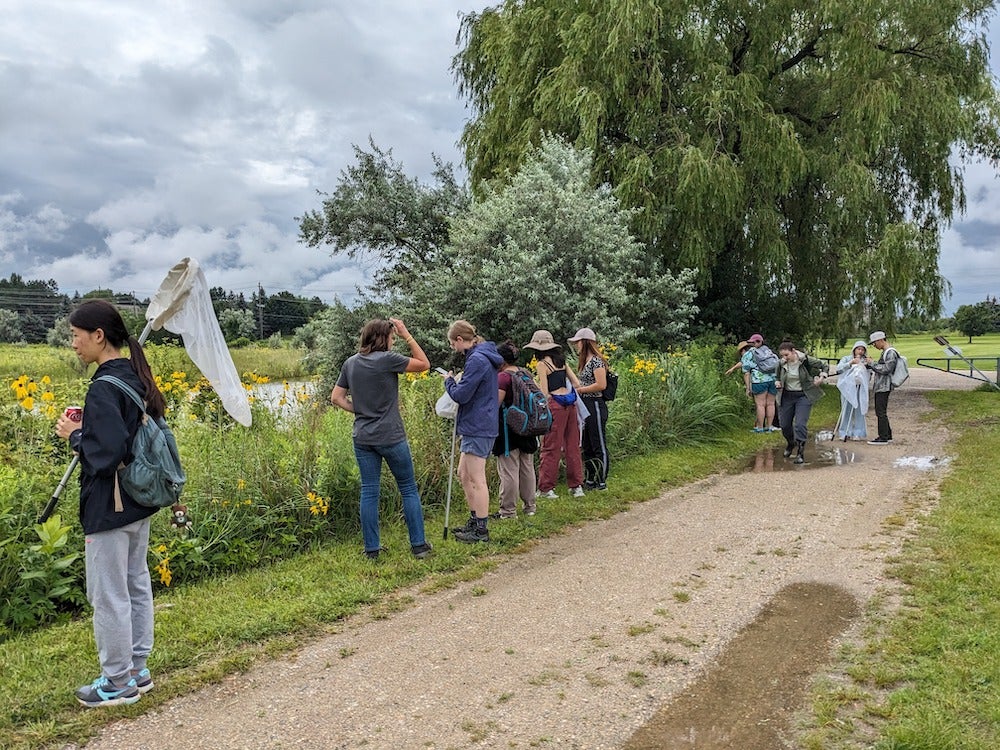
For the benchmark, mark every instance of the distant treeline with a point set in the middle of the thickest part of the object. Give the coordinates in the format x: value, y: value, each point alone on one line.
x: 31, y: 309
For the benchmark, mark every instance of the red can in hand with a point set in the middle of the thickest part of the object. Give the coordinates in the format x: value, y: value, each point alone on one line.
x: 74, y: 413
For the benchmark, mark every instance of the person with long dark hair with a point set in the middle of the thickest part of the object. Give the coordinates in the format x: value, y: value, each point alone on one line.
x: 592, y: 370
x: 515, y: 453
x: 558, y: 382
x: 799, y: 377
x: 371, y: 378
x: 116, y: 528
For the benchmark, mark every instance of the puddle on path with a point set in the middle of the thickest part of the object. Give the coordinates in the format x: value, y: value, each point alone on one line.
x: 748, y: 698
x: 924, y: 463
x: 817, y: 455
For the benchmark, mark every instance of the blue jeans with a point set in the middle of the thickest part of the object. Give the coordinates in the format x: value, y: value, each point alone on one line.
x: 400, y: 463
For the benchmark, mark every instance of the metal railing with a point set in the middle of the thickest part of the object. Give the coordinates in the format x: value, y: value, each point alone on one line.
x: 973, y: 365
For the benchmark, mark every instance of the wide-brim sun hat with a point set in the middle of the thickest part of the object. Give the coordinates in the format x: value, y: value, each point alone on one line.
x: 876, y: 336
x: 541, y: 341
x: 584, y: 334
x: 743, y: 345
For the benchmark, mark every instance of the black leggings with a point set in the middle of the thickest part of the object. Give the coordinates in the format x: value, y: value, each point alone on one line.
x: 596, y: 460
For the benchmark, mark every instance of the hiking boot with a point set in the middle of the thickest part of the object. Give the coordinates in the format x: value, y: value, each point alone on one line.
x: 470, y: 524
x: 473, y: 535
x: 143, y: 680
x: 800, y: 457
x: 788, y: 450
x: 101, y: 692
x: 421, y: 551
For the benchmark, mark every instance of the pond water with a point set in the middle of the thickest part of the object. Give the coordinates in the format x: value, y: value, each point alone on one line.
x: 284, y: 398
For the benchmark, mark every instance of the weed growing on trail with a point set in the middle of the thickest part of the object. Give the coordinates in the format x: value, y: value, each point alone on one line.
x: 636, y: 679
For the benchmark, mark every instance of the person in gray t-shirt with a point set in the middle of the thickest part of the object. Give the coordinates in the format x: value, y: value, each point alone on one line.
x: 371, y: 377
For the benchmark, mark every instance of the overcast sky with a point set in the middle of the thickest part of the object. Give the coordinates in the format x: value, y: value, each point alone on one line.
x: 133, y: 134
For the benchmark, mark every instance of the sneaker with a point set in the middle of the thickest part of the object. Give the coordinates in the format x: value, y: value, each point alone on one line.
x: 372, y: 554
x: 529, y: 512
x: 101, y: 692
x: 470, y: 524
x: 772, y: 428
x: 578, y: 492
x: 602, y: 486
x: 879, y: 441
x: 421, y: 551
x: 143, y: 680
x: 550, y: 495
x: 759, y: 429
x: 472, y: 536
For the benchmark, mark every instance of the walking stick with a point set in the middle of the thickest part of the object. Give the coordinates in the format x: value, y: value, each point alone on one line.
x: 451, y: 471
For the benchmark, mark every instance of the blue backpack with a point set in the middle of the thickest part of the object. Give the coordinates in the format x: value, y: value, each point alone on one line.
x: 154, y: 478
x: 529, y: 414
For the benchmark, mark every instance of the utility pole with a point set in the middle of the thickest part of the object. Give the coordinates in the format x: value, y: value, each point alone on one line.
x: 260, y: 311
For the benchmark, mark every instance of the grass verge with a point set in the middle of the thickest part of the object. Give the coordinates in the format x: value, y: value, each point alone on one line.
x: 219, y: 627
x: 927, y: 676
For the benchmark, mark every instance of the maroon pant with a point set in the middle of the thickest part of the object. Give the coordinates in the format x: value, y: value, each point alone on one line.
x: 564, y: 437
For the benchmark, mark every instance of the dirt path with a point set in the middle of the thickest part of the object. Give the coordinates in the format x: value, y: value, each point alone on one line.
x: 579, y: 642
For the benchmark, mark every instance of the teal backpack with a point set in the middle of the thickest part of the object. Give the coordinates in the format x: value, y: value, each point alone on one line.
x: 154, y: 478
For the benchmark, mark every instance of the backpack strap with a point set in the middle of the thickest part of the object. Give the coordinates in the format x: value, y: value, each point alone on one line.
x: 125, y: 388
x: 129, y: 391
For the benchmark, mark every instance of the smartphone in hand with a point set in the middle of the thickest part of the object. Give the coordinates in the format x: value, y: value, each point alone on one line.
x: 441, y: 371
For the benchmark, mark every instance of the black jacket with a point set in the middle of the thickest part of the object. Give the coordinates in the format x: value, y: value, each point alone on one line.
x: 110, y: 421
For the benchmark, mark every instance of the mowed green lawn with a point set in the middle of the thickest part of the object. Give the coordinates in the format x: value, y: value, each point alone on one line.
x: 922, y: 345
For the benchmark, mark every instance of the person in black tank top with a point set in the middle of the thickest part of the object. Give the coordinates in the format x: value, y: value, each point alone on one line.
x: 559, y: 383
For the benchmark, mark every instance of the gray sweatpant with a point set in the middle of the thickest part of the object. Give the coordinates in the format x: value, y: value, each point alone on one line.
x: 120, y: 591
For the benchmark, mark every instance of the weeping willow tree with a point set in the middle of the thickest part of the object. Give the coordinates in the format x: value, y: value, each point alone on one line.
x: 803, y: 155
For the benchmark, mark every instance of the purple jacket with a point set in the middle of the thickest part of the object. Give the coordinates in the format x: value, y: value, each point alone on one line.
x: 476, y: 392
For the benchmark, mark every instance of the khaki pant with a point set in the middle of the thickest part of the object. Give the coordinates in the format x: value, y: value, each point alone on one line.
x: 517, y: 478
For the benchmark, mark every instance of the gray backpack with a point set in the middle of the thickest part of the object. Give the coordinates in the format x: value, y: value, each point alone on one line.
x: 154, y: 478
x: 764, y: 359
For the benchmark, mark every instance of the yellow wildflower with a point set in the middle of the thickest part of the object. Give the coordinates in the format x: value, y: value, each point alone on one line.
x: 163, y: 568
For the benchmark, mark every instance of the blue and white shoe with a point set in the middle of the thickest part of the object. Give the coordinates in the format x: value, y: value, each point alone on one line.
x: 143, y: 680
x: 101, y: 692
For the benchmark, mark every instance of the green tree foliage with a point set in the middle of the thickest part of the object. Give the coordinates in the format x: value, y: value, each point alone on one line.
x: 547, y: 250
x: 797, y: 153
x: 237, y: 324
x: 11, y: 330
x: 377, y: 209
x: 975, y: 320
x: 284, y: 312
x: 37, y: 303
